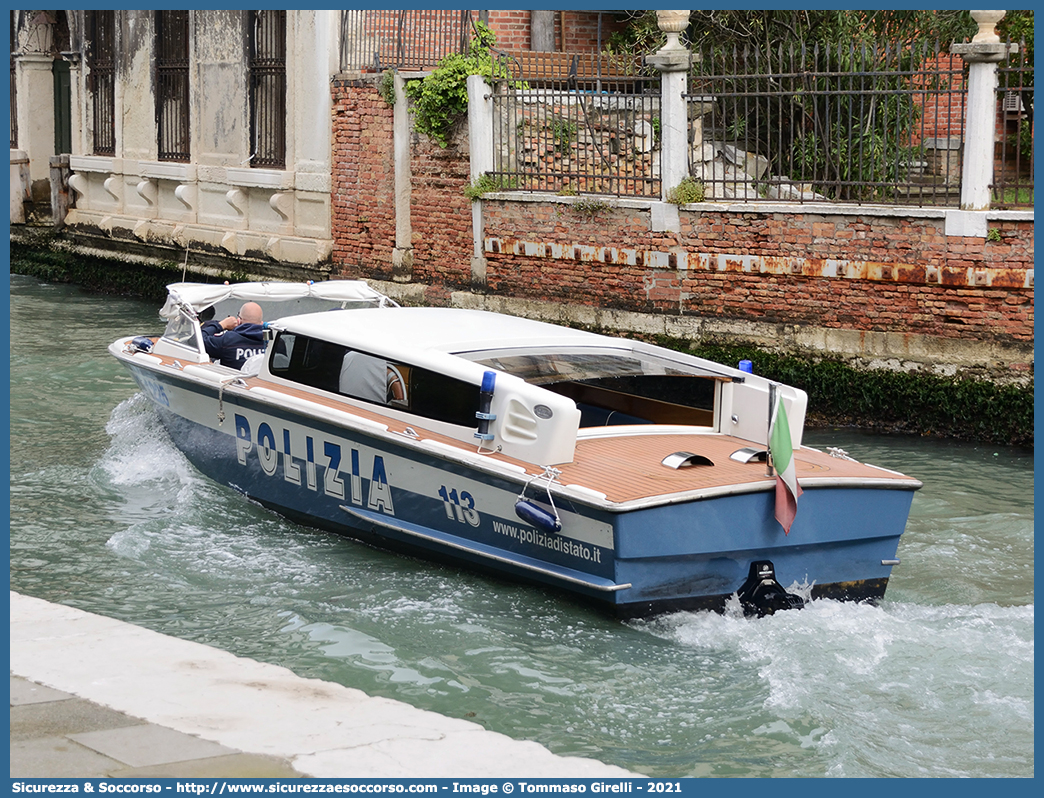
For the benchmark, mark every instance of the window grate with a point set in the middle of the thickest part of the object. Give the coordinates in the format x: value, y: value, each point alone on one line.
x: 268, y: 89
x: 172, y: 84
x: 101, y: 54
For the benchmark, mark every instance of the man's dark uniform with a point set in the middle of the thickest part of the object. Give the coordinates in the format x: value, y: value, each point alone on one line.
x: 232, y: 347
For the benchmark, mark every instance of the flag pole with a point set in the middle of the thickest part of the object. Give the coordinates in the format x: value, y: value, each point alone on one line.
x: 768, y: 435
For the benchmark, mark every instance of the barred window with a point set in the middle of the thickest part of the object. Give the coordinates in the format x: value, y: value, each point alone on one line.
x: 14, y: 99
x: 267, y: 48
x: 101, y: 58
x: 172, y: 84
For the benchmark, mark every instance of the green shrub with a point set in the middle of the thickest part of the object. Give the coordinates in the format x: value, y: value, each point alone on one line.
x: 486, y: 183
x: 688, y: 190
x: 441, y: 98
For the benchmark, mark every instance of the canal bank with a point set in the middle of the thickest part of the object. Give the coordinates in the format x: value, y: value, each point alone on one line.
x: 92, y: 696
x: 971, y: 390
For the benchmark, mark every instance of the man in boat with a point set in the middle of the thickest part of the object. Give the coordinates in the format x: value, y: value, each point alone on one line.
x: 235, y: 338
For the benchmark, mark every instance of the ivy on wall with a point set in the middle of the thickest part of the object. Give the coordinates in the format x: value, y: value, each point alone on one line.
x: 441, y: 98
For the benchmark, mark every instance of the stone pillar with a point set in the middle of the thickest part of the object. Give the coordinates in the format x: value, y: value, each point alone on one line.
x: 35, y: 92
x: 59, y: 165
x: 542, y: 30
x: 982, y: 54
x: 673, y: 61
x: 402, y: 255
x: 480, y: 142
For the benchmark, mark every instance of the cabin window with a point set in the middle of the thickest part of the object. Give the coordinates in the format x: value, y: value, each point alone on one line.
x: 614, y: 386
x: 374, y: 379
x: 267, y: 47
x: 172, y: 84
x: 101, y: 60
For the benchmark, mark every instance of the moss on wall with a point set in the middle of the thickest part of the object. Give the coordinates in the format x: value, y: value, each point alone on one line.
x: 892, y: 401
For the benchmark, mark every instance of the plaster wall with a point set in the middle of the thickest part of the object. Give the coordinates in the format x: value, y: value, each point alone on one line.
x: 216, y: 201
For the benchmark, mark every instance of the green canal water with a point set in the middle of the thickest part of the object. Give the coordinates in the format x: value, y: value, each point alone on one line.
x: 107, y: 516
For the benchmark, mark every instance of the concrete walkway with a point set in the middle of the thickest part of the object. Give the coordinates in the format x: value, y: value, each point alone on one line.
x: 91, y: 696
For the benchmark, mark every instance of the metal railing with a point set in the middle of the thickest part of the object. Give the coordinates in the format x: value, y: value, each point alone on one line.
x: 852, y: 123
x: 576, y: 124
x: 1013, y: 165
x: 404, y: 40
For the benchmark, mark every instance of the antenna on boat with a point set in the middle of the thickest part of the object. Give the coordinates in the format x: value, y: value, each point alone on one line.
x: 184, y: 266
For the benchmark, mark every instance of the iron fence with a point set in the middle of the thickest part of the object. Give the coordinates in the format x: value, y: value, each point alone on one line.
x: 405, y: 40
x: 855, y: 123
x: 576, y: 124
x: 1013, y: 164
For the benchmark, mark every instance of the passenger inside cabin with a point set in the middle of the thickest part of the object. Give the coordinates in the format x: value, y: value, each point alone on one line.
x: 372, y: 379
x: 235, y: 338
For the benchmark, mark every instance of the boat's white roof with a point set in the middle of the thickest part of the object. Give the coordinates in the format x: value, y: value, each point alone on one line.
x: 450, y: 330
x: 203, y: 295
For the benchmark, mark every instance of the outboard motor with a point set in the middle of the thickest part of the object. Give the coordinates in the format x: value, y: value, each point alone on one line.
x: 762, y: 595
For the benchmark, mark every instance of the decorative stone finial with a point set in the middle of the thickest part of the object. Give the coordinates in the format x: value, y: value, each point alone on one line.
x: 673, y: 23
x: 987, y: 22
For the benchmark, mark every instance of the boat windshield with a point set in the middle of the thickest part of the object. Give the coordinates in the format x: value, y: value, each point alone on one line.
x: 183, y: 329
x: 548, y: 367
x: 617, y: 386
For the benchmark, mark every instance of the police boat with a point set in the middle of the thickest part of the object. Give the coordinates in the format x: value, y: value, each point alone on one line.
x: 645, y: 479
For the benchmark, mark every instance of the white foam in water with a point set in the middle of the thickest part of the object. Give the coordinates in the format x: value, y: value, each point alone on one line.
x: 140, y: 449
x: 874, y: 686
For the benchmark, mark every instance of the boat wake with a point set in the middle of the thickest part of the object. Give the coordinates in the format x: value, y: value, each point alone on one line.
x: 865, y: 684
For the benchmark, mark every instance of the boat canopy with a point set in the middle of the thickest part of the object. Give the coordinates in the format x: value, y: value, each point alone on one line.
x: 200, y: 296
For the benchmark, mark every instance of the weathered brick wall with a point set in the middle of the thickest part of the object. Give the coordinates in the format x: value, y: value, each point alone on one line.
x: 440, y: 213
x: 363, y: 181
x: 864, y: 272
x: 512, y: 29
x: 575, y: 31
x: 364, y: 193
x: 806, y: 268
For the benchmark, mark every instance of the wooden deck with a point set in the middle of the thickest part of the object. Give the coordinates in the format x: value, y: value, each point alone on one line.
x: 627, y: 467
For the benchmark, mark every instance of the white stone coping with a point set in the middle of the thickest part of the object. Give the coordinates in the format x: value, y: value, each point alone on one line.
x: 791, y: 208
x: 324, y: 729
x: 259, y: 178
x: 312, y: 180
x: 163, y: 170
x: 95, y: 163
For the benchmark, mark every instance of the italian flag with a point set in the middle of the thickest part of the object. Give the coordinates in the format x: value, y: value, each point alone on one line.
x: 787, y: 487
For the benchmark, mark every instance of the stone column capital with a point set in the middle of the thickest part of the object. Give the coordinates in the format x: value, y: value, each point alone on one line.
x: 984, y: 52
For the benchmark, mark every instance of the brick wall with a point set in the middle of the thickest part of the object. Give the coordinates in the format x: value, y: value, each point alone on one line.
x: 870, y: 273
x: 512, y: 29
x: 364, y: 193
x: 440, y: 213
x: 363, y: 181
x: 575, y: 31
x: 861, y: 270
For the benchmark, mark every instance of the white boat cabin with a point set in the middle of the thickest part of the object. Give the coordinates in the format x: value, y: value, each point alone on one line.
x: 506, y: 384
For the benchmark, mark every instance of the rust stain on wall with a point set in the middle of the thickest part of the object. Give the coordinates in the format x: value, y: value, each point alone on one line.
x: 990, y: 276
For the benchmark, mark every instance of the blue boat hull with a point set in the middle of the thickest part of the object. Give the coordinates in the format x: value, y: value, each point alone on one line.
x: 693, y: 554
